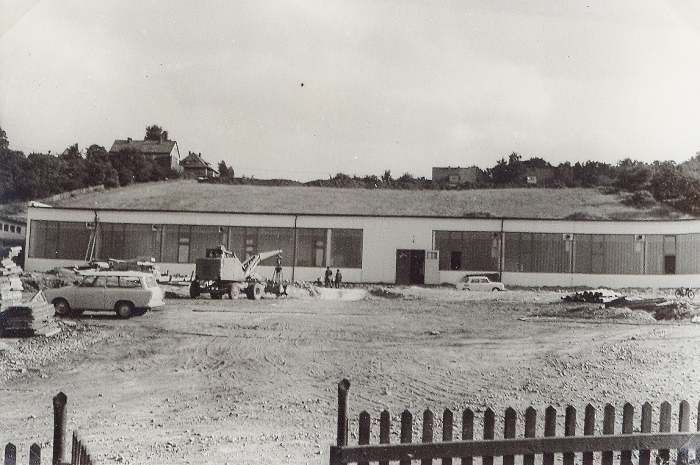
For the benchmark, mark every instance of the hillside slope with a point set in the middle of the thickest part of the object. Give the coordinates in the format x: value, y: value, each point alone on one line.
x: 577, y: 203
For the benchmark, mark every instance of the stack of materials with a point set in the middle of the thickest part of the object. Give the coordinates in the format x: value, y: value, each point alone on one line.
x: 17, y: 318
x: 10, y: 283
x: 33, y: 318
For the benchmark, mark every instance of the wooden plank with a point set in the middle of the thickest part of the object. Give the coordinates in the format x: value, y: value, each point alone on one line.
x: 384, y: 430
x: 10, y: 454
x: 509, y: 432
x: 489, y: 430
x: 406, y: 432
x: 683, y: 426
x: 447, y: 429
x: 428, y: 421
x: 35, y: 454
x: 342, y: 437
x: 498, y: 447
x: 588, y: 430
x: 467, y: 433
x: 530, y: 431
x: 550, y: 430
x: 645, y: 427
x: 364, y: 431
x: 569, y: 430
x: 627, y: 427
x: 664, y: 427
x: 608, y: 428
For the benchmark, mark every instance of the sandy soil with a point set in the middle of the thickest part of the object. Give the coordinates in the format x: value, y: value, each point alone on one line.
x: 242, y: 382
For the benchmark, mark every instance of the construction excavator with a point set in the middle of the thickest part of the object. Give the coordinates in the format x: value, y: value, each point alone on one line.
x: 221, y: 273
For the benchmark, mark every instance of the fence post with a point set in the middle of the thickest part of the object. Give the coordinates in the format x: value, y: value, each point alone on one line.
x: 10, y: 454
x: 550, y: 430
x: 511, y: 417
x: 489, y: 431
x: 627, y: 428
x: 447, y: 428
x: 589, y: 430
x: 683, y: 427
x: 530, y: 428
x: 59, y: 427
x: 384, y: 430
x: 467, y: 432
x: 569, y: 430
x: 343, y: 388
x: 406, y: 432
x: 35, y: 454
x: 645, y: 455
x: 428, y: 420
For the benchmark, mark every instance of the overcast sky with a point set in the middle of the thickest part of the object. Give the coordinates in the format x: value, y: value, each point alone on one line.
x: 395, y: 85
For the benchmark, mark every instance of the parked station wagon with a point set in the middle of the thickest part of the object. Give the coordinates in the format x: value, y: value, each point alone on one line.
x: 479, y: 283
x: 125, y: 292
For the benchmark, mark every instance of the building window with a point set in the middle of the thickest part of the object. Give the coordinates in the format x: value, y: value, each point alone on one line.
x: 58, y: 240
x: 5, y: 227
x: 468, y: 250
x: 670, y: 254
x: 311, y: 247
x: 346, y: 248
x: 456, y: 260
x: 12, y: 228
x: 19, y: 230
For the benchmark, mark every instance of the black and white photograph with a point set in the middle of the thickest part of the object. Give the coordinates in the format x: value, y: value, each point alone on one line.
x: 350, y: 232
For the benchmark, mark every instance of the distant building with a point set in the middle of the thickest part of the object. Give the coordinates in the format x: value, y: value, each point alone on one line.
x: 163, y: 151
x: 457, y: 175
x: 194, y: 167
x: 539, y: 176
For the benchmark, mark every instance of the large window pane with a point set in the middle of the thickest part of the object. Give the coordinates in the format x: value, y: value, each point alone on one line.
x: 311, y: 247
x: 346, y: 248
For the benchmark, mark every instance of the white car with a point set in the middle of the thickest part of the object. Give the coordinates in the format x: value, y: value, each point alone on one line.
x: 479, y: 283
x: 125, y: 292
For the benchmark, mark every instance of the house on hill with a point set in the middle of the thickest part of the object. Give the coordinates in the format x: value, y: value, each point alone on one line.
x: 195, y: 167
x: 163, y: 151
x: 457, y: 175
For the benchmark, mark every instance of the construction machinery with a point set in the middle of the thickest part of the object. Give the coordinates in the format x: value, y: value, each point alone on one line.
x: 222, y: 273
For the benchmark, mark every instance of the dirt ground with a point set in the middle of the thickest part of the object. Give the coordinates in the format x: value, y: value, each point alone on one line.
x: 216, y: 381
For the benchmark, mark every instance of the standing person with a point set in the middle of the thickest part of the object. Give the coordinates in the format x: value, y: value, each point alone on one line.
x: 338, y: 279
x: 329, y: 275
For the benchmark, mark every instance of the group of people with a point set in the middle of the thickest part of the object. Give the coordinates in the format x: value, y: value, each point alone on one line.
x: 329, y: 281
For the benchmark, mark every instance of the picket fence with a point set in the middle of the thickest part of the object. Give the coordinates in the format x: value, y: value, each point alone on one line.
x: 629, y: 444
x: 79, y: 453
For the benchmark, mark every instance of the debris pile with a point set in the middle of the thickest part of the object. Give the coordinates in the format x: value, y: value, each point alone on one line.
x: 33, y: 318
x: 597, y: 296
x: 10, y: 282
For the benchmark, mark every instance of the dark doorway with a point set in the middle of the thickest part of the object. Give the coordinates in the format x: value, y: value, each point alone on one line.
x: 410, y: 266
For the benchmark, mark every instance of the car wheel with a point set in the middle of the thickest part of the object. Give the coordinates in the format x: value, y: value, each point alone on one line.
x: 124, y: 309
x: 691, y: 294
x: 496, y: 289
x: 61, y: 307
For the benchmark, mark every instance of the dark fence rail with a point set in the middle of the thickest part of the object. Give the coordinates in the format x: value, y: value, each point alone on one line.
x: 628, y: 443
x: 79, y: 453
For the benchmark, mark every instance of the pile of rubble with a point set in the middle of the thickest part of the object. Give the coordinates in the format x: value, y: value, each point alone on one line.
x: 17, y: 318
x: 596, y: 296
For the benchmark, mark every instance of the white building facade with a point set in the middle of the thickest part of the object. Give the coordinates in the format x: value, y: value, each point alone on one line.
x: 381, y: 249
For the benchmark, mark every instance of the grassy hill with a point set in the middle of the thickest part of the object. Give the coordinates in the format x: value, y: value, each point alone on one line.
x: 182, y: 195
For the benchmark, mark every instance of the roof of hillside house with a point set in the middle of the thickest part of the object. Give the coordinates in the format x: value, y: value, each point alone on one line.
x: 194, y: 160
x: 149, y: 147
x: 191, y: 196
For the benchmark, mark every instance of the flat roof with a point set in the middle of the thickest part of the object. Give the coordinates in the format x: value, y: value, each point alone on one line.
x: 525, y: 203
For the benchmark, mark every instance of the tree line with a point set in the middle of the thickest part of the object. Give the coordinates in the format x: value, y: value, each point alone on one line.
x: 40, y: 175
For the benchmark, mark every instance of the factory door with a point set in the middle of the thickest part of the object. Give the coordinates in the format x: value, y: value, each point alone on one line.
x: 410, y: 266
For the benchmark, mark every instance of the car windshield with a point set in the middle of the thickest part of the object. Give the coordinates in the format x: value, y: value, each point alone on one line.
x: 88, y: 281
